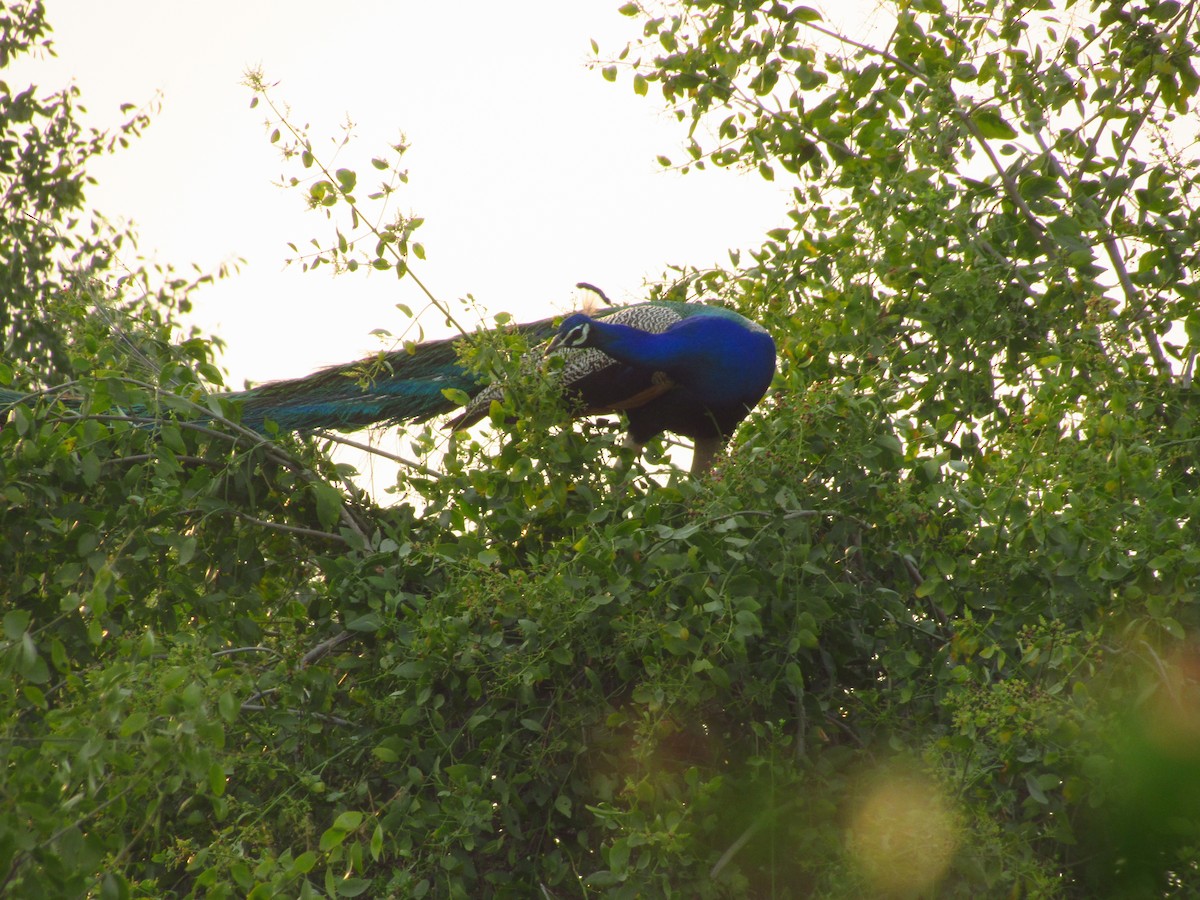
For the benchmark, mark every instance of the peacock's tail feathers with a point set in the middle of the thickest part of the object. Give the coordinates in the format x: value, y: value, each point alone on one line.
x: 10, y: 398
x: 406, y: 385
x: 401, y: 386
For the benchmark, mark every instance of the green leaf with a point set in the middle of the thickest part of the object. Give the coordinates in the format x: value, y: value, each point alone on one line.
x: 640, y: 85
x: 216, y: 780
x: 618, y: 855
x: 602, y: 878
x: 794, y: 677
x: 385, y: 754
x: 30, y: 664
x: 1172, y: 627
x: 21, y: 419
x: 331, y: 838
x: 16, y: 622
x: 457, y: 397
x: 1069, y: 234
x: 329, y: 503
x: 367, y: 622
x: 890, y: 442
x: 134, y: 723
x: 1164, y: 10
x: 1039, y: 186
x: 992, y: 125
x: 89, y: 467
x: 463, y: 773
x: 114, y: 886
x: 1035, y: 790
x: 1191, y: 325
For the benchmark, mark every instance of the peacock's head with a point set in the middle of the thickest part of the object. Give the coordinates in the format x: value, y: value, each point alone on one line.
x: 576, y: 331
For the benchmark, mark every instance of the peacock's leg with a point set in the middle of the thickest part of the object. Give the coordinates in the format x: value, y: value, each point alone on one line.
x: 629, y: 442
x: 704, y: 454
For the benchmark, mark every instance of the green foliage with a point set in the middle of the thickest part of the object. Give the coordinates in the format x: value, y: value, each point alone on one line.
x: 927, y: 632
x: 51, y: 257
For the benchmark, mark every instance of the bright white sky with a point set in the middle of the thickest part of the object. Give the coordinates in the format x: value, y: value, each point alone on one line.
x: 531, y: 171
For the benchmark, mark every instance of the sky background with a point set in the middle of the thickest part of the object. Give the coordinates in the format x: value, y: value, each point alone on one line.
x: 531, y: 171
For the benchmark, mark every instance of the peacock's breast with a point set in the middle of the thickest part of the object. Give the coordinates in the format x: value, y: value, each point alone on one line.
x: 726, y: 363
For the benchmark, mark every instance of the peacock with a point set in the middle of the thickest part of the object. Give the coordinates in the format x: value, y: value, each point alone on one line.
x: 691, y: 369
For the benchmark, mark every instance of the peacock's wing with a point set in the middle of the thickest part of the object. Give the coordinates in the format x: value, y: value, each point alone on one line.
x: 593, y: 379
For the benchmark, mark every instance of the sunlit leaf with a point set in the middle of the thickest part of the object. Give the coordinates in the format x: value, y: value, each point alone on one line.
x: 992, y: 125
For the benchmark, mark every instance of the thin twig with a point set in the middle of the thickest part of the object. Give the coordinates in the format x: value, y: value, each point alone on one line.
x: 320, y: 717
x: 257, y: 649
x: 409, y: 463
x: 289, y: 529
x: 301, y: 140
x: 1133, y: 299
x: 325, y: 647
x: 745, y: 836
x: 801, y: 725
x: 149, y: 457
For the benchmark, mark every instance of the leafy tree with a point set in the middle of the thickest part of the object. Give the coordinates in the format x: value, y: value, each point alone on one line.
x: 58, y: 254
x: 926, y: 633
x: 990, y: 261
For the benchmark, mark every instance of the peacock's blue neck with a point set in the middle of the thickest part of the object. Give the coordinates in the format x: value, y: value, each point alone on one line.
x: 640, y: 348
